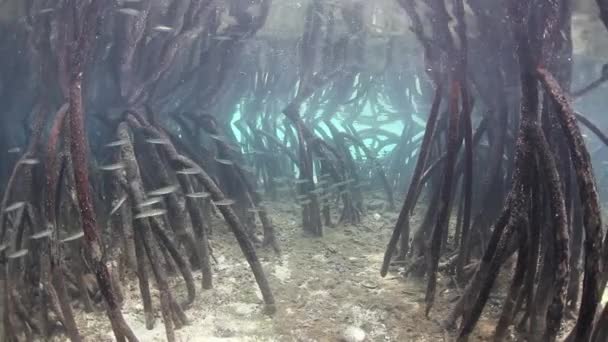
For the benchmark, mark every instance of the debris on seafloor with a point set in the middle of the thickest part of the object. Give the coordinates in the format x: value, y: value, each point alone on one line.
x: 353, y: 334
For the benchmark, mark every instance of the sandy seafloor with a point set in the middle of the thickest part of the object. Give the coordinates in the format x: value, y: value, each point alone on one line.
x: 321, y: 287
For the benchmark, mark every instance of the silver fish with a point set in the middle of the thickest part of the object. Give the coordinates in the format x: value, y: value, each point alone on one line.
x: 189, y: 171
x: 162, y: 28
x: 255, y: 210
x: 222, y: 38
x: 30, y: 161
x: 150, y: 201
x: 343, y: 183
x: 225, y: 202
x: 301, y: 181
x: 41, y: 235
x: 155, y: 141
x: 201, y: 194
x: 301, y: 197
x: 14, y: 206
x: 317, y: 191
x: 233, y: 147
x: 14, y: 150
x: 128, y: 11
x: 150, y: 213
x: 418, y: 87
x: 224, y: 161
x: 3, y: 247
x: 325, y: 197
x: 18, y: 254
x: 72, y: 237
x: 306, y: 202
x: 325, y: 176
x: 163, y: 191
x: 119, y: 204
x: 117, y: 143
x: 112, y: 167
x: 248, y: 169
x: 217, y: 137
x: 46, y: 10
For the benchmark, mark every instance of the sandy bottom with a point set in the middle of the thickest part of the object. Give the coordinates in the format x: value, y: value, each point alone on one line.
x: 321, y: 286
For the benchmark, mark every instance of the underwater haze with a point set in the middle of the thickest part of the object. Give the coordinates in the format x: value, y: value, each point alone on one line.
x: 303, y: 170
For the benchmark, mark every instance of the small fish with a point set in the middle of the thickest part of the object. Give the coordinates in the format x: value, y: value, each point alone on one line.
x: 301, y: 181
x: 224, y: 202
x: 201, y: 194
x: 283, y: 188
x: 14, y: 206
x: 162, y: 28
x: 325, y: 197
x: 154, y: 141
x: 233, y: 147
x: 128, y: 11
x: 224, y: 161
x: 41, y: 235
x: 112, y: 167
x: 306, y: 202
x: 325, y: 176
x: 46, y: 10
x: 301, y: 197
x: 189, y: 171
x: 255, y: 210
x: 14, y: 150
x: 248, y: 169
x: 317, y: 191
x: 254, y: 10
x: 150, y: 202
x: 72, y: 237
x: 3, y: 247
x: 163, y: 191
x: 415, y: 107
x: 18, y: 254
x: 150, y: 213
x: 418, y: 87
x: 30, y: 161
x: 217, y: 137
x: 119, y: 204
x: 117, y: 143
x: 322, y: 182
x: 222, y: 38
